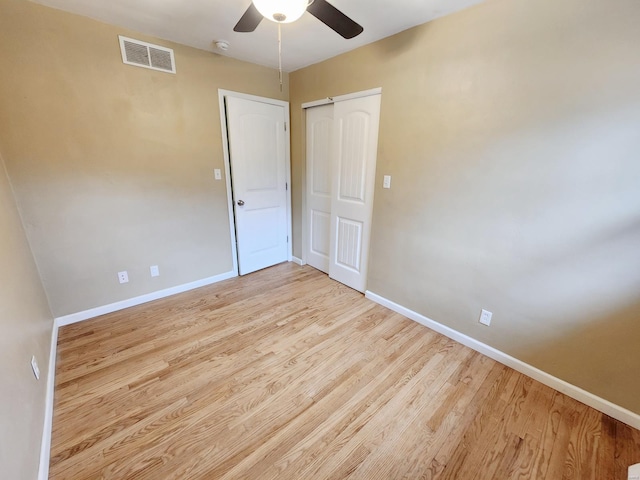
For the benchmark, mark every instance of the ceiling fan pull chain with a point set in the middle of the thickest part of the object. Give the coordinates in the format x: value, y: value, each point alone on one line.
x: 280, y: 55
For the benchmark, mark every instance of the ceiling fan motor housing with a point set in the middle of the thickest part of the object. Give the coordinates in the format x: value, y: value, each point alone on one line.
x: 281, y: 11
x: 287, y: 11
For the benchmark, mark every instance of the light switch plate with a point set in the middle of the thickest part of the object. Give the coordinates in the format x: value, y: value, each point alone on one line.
x: 155, y: 271
x: 218, y: 174
x: 386, y: 182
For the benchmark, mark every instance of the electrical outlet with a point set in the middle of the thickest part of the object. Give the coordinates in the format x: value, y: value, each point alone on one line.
x: 485, y: 317
x: 217, y: 173
x: 123, y: 277
x: 386, y: 181
x: 34, y: 367
x: 155, y: 271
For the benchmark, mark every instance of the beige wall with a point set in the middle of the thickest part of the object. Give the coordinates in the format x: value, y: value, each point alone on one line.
x: 26, y: 324
x: 511, y: 132
x: 112, y: 164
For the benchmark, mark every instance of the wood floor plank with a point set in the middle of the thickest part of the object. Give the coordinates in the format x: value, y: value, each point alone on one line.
x: 549, y: 436
x: 486, y: 408
x: 286, y: 374
x: 340, y: 414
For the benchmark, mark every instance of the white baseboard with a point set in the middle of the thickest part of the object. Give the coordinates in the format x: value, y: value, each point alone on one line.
x: 131, y: 302
x: 297, y: 260
x: 45, y: 447
x: 619, y: 413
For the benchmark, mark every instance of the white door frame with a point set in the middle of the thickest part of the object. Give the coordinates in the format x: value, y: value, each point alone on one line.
x: 222, y: 94
x: 317, y: 103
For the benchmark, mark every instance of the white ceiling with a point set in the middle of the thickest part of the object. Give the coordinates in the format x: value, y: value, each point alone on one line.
x: 199, y: 23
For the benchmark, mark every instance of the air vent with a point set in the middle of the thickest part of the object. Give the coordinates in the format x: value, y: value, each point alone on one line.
x: 147, y: 55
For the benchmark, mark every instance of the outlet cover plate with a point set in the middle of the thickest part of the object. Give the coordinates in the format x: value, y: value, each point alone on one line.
x: 123, y: 277
x: 155, y: 271
x: 485, y: 317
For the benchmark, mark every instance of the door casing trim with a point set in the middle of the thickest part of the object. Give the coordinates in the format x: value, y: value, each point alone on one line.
x: 341, y: 98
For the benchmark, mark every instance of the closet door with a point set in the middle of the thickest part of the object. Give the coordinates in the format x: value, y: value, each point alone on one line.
x: 319, y: 149
x: 354, y: 146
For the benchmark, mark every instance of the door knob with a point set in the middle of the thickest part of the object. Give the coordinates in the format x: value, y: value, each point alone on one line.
x: 240, y: 203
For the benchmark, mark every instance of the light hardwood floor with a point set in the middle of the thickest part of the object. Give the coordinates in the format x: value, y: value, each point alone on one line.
x: 285, y: 374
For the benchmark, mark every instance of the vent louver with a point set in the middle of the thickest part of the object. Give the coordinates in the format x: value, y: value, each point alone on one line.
x: 147, y: 55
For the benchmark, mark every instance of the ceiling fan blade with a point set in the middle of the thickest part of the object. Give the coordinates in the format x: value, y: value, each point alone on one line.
x: 334, y: 19
x: 249, y: 21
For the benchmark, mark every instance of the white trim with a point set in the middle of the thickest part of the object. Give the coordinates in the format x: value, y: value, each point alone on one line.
x: 227, y: 178
x: 287, y: 145
x: 363, y: 93
x: 317, y: 103
x: 45, y: 446
x: 342, y: 98
x: 297, y: 261
x: 114, y: 307
x: 304, y: 237
x: 619, y: 413
x: 222, y: 94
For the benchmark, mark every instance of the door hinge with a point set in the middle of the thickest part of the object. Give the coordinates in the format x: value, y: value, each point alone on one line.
x: 286, y: 186
x: 285, y: 126
x: 287, y: 238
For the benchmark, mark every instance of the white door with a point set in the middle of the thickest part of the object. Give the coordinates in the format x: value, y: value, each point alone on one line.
x: 258, y: 169
x: 319, y: 133
x: 355, y: 145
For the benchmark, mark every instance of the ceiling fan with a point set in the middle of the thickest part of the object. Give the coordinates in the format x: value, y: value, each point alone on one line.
x: 287, y: 11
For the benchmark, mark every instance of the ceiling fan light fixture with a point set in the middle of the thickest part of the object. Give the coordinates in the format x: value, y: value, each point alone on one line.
x: 281, y: 11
